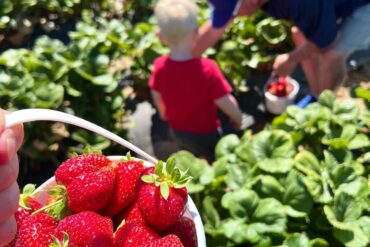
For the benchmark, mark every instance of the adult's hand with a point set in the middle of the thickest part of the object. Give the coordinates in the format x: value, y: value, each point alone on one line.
x: 284, y: 64
x: 10, y: 141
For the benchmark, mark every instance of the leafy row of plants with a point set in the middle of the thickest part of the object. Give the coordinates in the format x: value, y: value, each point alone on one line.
x: 304, y: 181
x: 20, y: 18
x: 78, y: 78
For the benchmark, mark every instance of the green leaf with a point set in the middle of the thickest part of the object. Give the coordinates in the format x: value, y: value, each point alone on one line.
x: 226, y: 145
x: 210, y: 214
x: 359, y: 141
x: 165, y: 190
x: 276, y: 165
x: 238, y: 231
x: 241, y: 203
x: 308, y: 163
x: 148, y: 179
x: 327, y: 99
x: 344, y: 211
x: 264, y: 215
x: 297, y: 240
x: 347, y: 111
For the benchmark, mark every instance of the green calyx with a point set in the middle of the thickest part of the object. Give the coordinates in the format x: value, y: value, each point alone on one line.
x: 58, y: 208
x: 166, y: 176
x: 57, y: 243
x: 29, y: 190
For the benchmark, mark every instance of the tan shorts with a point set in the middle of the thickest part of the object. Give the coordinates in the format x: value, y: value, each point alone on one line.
x: 355, y: 32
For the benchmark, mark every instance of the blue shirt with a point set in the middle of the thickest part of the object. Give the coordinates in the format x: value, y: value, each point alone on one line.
x: 319, y: 20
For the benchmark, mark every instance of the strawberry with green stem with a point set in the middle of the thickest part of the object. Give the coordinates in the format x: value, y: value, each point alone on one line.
x: 27, y: 205
x: 162, y: 195
x: 86, y: 229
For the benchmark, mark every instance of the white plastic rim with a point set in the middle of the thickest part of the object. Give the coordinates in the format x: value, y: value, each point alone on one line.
x: 191, y: 210
x: 278, y: 105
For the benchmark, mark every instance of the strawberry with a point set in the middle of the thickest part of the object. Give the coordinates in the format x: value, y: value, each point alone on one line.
x: 162, y: 195
x: 280, y: 87
x: 78, y: 166
x: 91, y: 191
x: 127, y: 175
x: 27, y: 205
x: 36, y: 231
x: 184, y: 228
x: 86, y: 229
x: 131, y: 213
x: 134, y: 234
x: 167, y: 241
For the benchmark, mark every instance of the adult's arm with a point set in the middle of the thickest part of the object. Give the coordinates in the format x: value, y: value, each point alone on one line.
x: 10, y: 141
x: 207, y: 36
x: 284, y: 64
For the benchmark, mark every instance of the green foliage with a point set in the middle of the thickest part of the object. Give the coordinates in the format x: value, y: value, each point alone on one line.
x: 300, y: 182
x: 19, y: 17
x: 78, y: 78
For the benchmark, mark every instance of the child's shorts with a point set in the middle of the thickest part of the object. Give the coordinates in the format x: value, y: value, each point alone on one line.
x: 201, y: 145
x: 355, y: 31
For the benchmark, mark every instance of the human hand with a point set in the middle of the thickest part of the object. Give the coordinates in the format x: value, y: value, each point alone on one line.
x: 10, y: 141
x: 284, y: 65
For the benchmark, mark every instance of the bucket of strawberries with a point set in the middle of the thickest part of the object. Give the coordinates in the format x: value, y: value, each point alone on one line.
x: 95, y: 200
x: 279, y: 93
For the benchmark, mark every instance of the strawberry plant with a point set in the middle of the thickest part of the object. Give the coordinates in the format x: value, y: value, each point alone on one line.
x: 303, y: 181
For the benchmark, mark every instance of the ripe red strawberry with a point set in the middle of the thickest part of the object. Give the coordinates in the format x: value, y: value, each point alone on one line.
x: 127, y: 175
x: 36, y: 231
x: 91, y: 191
x: 27, y: 205
x: 184, y: 228
x: 80, y: 165
x: 131, y: 213
x: 86, y: 229
x: 162, y: 195
x: 168, y: 241
x: 134, y: 234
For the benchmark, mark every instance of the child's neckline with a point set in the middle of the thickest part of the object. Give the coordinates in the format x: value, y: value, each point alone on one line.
x: 180, y: 60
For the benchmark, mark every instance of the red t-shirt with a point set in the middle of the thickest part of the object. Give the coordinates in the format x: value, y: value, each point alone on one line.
x: 189, y: 89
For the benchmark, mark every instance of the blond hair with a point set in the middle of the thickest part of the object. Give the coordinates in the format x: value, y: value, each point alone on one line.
x: 177, y: 19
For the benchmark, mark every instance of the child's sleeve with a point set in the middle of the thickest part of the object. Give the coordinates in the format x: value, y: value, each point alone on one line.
x: 219, y: 85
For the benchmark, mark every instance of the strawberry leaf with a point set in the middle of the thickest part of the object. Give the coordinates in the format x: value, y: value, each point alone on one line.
x: 148, y: 179
x: 159, y: 168
x: 170, y: 165
x: 165, y: 190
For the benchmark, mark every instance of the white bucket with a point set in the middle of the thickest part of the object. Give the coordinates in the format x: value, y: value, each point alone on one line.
x: 278, y: 105
x: 191, y: 210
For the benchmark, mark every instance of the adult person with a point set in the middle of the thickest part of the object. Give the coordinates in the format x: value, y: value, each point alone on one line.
x: 325, y: 33
x: 10, y: 141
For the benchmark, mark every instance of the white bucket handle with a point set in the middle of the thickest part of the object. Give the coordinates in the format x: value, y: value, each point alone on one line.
x: 30, y: 115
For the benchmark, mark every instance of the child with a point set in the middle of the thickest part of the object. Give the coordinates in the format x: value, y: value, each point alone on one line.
x: 187, y: 91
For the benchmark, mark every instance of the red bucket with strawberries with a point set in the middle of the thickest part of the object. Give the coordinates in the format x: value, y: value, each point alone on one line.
x: 279, y: 93
x: 98, y: 200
